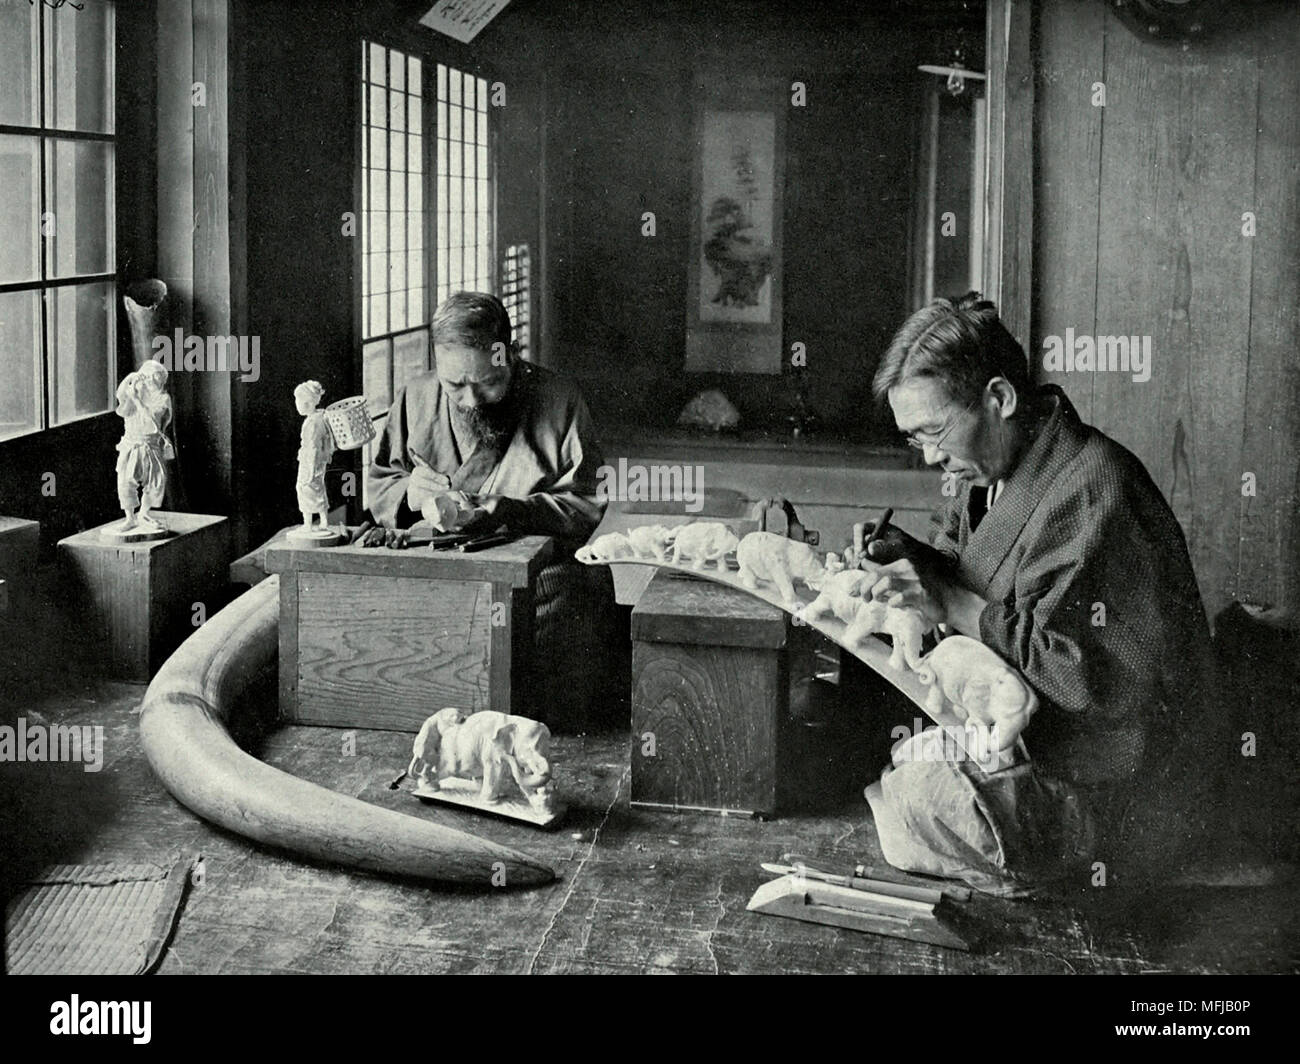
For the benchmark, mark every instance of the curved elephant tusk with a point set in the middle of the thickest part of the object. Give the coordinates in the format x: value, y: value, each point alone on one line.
x: 184, y: 729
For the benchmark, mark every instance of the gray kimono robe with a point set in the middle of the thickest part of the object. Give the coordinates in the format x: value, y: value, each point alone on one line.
x: 547, y: 470
x: 1092, y: 597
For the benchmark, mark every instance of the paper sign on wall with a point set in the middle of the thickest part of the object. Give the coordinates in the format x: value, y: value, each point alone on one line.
x: 462, y: 19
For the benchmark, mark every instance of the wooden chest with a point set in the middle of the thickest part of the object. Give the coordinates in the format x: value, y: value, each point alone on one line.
x: 710, y: 698
x: 380, y: 638
x: 19, y: 542
x: 139, y: 601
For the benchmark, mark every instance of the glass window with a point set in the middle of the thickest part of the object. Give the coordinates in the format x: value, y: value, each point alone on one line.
x: 58, y: 313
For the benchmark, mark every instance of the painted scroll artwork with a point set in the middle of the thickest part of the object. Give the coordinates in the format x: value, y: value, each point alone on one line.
x: 489, y: 761
x: 738, y: 156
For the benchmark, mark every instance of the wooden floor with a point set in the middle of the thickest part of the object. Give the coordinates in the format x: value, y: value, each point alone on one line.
x: 638, y: 891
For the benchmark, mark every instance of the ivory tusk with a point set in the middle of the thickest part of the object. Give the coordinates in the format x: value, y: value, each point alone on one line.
x: 184, y: 729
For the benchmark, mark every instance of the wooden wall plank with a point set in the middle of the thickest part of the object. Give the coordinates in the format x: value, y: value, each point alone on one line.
x: 211, y: 237
x: 1270, y: 534
x: 1067, y: 196
x: 1214, y: 168
x: 1009, y: 225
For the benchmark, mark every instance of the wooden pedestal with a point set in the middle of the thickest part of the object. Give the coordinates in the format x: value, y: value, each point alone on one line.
x: 19, y: 545
x: 137, y: 600
x: 710, y: 698
x: 380, y: 638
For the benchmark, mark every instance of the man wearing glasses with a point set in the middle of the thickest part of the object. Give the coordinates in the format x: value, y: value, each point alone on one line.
x: 1058, y: 552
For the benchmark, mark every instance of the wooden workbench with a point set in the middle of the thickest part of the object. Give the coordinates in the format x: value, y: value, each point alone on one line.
x: 381, y: 638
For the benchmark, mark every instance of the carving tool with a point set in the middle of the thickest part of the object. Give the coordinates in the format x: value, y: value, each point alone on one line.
x: 839, y: 902
x: 482, y: 544
x: 796, y: 863
x: 917, y: 895
x: 877, y: 531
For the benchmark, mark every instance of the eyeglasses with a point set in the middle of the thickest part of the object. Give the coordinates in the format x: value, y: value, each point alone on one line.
x: 916, y: 441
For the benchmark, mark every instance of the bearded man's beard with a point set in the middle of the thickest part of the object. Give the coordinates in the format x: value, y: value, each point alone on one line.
x: 492, y: 424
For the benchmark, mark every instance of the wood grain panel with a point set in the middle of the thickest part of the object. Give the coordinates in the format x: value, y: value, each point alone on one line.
x: 1269, y: 546
x: 1215, y: 169
x: 714, y: 715
x: 386, y: 653
x: 1067, y: 198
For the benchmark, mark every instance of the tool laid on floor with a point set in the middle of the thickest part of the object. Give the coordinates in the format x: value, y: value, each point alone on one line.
x: 794, y: 862
x: 882, y: 907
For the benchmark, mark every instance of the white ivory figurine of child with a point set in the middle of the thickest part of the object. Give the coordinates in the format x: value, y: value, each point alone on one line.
x: 146, y: 411
x: 316, y: 447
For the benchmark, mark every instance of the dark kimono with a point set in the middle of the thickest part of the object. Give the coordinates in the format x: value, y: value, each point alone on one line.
x: 546, y: 477
x: 1091, y: 595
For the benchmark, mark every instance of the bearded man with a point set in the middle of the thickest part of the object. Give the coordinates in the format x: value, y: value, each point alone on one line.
x: 518, y: 441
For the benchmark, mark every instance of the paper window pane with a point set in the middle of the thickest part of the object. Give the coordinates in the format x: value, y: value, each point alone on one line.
x: 397, y: 310
x: 415, y: 122
x: 396, y: 69
x: 413, y: 77
x: 79, y: 60
x: 453, y: 87
x: 482, y: 127
x: 415, y: 193
x: 19, y: 208
x: 414, y: 154
x: 442, y: 82
x: 82, y: 339
x: 378, y: 65
x: 442, y: 119
x: 414, y: 269
x: 397, y: 151
x: 378, y: 108
x: 20, y: 321
x: 415, y: 306
x: 79, y: 207
x: 397, y: 110
x: 377, y: 221
x: 414, y: 231
x: 482, y: 94
x: 19, y: 87
x: 378, y: 149
x: 375, y: 377
x: 378, y: 315
x: 378, y: 190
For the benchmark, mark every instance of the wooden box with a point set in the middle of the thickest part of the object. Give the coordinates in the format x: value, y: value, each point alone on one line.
x: 138, y: 600
x: 380, y: 638
x: 19, y: 545
x: 710, y: 698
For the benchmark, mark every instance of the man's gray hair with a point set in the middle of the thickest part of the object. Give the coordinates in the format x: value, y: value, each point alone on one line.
x: 472, y: 319
x: 961, y: 342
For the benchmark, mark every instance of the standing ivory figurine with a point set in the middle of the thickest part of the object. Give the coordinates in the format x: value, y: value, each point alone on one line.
x: 315, y: 449
x: 146, y: 410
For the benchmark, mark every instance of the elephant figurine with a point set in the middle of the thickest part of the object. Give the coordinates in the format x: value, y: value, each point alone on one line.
x: 973, y: 681
x: 611, y: 547
x: 703, y: 541
x: 778, y: 560
x: 651, y: 541
x: 489, y: 746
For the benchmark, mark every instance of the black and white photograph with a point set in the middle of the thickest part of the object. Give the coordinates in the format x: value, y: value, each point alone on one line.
x: 650, y: 487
